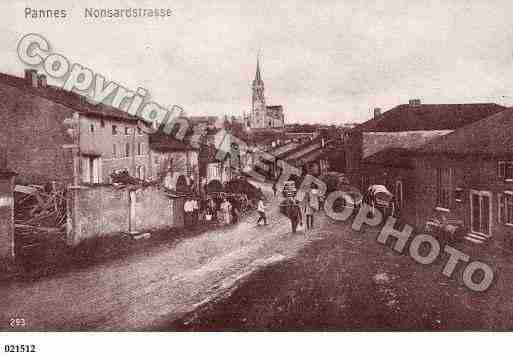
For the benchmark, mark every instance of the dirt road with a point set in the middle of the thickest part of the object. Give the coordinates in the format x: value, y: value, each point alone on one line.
x: 143, y: 290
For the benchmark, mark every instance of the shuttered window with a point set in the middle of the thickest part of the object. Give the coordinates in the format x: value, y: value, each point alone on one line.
x: 444, y: 187
x: 505, y: 170
x: 505, y: 208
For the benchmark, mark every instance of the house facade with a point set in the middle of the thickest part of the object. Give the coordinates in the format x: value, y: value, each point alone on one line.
x: 378, y: 151
x: 175, y: 162
x: 54, y: 135
x: 107, y: 146
x: 467, y: 178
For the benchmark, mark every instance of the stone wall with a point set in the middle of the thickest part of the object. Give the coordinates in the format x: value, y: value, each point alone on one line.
x: 104, y: 210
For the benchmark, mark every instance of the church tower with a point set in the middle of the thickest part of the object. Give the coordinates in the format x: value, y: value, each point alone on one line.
x: 258, y: 108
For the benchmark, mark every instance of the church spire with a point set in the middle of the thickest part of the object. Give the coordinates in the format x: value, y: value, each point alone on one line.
x: 258, y: 77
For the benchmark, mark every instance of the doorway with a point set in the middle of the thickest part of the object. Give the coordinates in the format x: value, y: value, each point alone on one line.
x: 481, y: 212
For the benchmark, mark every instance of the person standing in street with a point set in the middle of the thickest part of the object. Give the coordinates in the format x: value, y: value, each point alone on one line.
x: 195, y: 211
x: 261, y: 211
x: 188, y: 209
x: 311, y: 205
x: 295, y: 216
x: 226, y: 208
x: 235, y: 209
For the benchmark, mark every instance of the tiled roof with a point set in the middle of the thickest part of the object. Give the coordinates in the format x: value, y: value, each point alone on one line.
x: 162, y: 141
x: 69, y: 99
x: 169, y: 144
x: 392, y: 156
x: 283, y: 148
x: 429, y: 117
x: 292, y: 154
x: 492, y: 136
x: 264, y: 136
x: 311, y: 156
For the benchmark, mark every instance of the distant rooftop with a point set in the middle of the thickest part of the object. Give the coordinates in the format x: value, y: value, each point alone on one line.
x: 416, y: 116
x: 492, y: 136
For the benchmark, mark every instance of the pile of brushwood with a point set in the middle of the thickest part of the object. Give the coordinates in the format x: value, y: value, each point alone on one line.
x: 39, y: 209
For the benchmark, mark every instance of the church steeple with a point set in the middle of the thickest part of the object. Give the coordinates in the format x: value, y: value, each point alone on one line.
x: 263, y: 116
x: 258, y: 108
x: 258, y: 77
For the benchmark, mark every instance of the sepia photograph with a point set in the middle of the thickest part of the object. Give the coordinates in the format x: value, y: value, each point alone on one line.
x: 255, y: 166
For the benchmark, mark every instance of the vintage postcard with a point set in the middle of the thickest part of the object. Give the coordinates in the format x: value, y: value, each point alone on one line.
x: 255, y: 166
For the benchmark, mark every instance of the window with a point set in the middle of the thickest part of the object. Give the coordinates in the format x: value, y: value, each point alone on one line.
x: 444, y: 187
x: 114, y: 152
x: 140, y: 149
x: 505, y: 170
x: 458, y: 194
x: 102, y: 123
x: 501, y: 169
x: 141, y: 172
x: 139, y: 131
x: 505, y: 208
x: 509, y: 171
x: 114, y: 130
x: 91, y: 169
x: 127, y: 131
x: 399, y: 194
x: 91, y: 127
x: 127, y: 150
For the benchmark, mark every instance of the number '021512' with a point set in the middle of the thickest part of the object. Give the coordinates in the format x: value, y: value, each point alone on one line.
x: 20, y: 348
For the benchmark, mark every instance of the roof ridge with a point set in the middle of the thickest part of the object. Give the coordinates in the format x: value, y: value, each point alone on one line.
x: 405, y: 117
x: 51, y: 93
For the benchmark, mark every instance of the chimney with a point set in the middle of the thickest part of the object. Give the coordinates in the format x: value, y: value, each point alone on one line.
x: 31, y: 77
x: 41, y: 80
x: 377, y: 112
x: 415, y: 102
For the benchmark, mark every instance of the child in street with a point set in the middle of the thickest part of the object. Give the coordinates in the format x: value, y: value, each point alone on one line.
x: 261, y: 211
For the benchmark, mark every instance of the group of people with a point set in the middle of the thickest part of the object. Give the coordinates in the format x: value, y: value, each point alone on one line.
x: 221, y: 208
x: 295, y: 209
x: 227, y: 208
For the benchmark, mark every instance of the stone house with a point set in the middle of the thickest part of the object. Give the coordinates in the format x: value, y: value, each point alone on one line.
x: 467, y: 177
x: 49, y: 134
x: 175, y: 162
x: 377, y: 150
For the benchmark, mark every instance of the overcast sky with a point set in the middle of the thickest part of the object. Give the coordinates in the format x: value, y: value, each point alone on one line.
x: 324, y: 61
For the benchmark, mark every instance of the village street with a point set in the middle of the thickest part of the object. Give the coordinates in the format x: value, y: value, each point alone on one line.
x: 346, y: 280
x: 142, y: 290
x: 249, y: 277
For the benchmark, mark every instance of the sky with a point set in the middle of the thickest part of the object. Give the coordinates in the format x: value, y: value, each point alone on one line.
x: 325, y: 61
